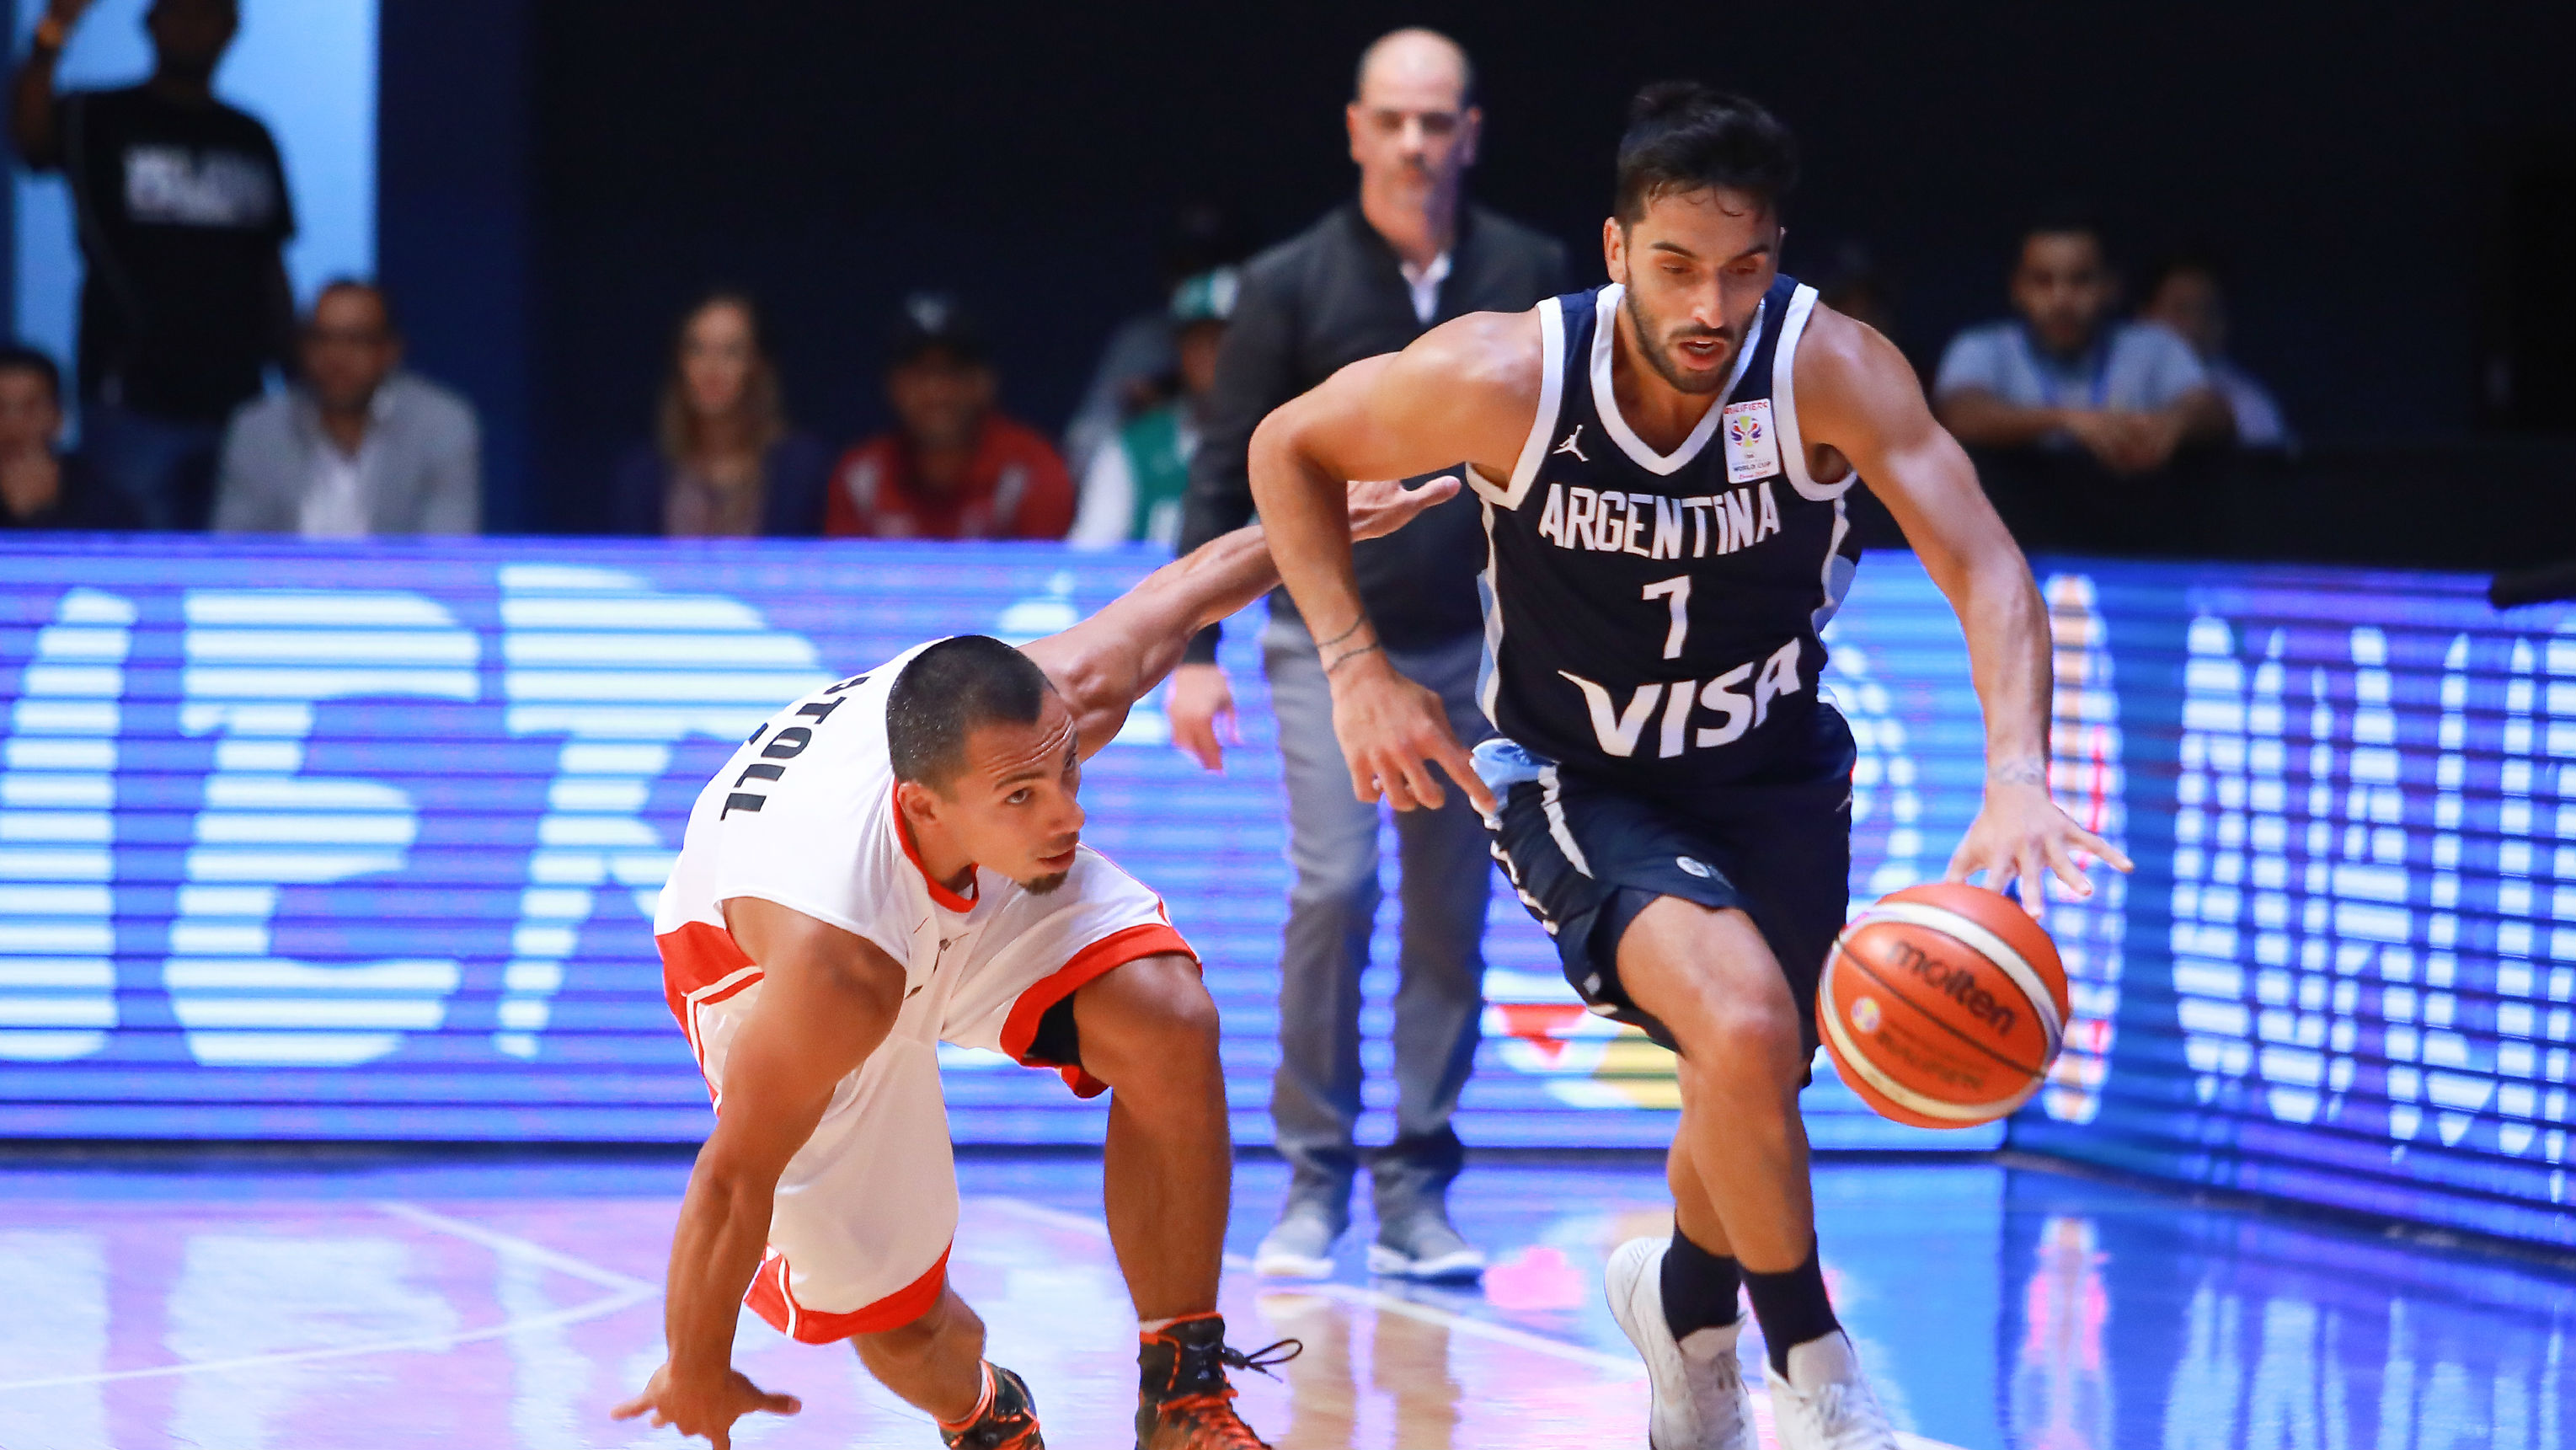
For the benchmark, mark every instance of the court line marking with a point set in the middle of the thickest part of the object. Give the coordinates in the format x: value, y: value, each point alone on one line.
x: 630, y: 1291
x: 1378, y: 1299
x: 511, y: 1246
x: 1386, y: 1303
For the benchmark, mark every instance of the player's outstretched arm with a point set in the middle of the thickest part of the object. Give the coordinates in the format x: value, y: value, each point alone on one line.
x: 1858, y: 395
x: 1108, y: 662
x: 827, y: 998
x: 1466, y: 390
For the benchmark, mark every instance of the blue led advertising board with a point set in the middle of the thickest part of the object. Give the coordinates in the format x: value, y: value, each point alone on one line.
x: 362, y: 842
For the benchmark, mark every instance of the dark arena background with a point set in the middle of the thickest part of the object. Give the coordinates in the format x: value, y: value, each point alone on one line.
x: 340, y: 1099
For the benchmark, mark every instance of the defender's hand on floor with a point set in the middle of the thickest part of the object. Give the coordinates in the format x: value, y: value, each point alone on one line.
x: 704, y: 1409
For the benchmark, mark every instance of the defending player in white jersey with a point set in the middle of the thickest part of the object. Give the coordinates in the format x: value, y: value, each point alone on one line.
x: 893, y: 862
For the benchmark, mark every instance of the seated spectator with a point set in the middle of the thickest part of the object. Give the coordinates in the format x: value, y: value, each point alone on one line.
x: 2065, y: 374
x: 1136, y: 366
x: 1133, y: 490
x: 1858, y: 288
x: 355, y: 448
x: 954, y: 467
x: 723, y: 462
x: 2186, y: 296
x: 41, y: 488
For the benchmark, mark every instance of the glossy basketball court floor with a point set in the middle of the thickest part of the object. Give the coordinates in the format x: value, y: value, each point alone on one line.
x: 288, y: 1302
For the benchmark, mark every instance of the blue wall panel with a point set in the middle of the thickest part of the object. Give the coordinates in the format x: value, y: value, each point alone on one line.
x: 363, y: 842
x: 2352, y: 934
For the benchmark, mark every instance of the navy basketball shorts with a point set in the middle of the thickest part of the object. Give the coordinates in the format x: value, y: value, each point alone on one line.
x: 1586, y: 856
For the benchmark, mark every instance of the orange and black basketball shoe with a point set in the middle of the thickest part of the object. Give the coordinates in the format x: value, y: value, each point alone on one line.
x: 1183, y: 1401
x: 1007, y: 1421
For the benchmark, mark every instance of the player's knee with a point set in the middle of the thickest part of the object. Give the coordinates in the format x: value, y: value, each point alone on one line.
x: 1150, y: 1018
x: 1739, y: 1049
x: 903, y: 1344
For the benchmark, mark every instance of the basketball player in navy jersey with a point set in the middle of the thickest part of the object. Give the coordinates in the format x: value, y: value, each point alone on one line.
x: 1664, y: 464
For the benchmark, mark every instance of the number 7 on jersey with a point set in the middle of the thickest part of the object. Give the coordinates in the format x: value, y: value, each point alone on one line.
x: 1675, y: 592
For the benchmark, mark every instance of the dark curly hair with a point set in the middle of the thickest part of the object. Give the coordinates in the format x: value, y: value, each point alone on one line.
x: 1683, y: 137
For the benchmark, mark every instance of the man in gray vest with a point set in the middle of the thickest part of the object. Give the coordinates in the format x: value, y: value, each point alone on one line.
x: 1369, y: 278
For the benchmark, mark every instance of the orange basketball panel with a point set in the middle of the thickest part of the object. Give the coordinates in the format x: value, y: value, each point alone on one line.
x: 1906, y: 1066
x: 1999, y: 914
x: 1979, y: 1011
x: 1943, y: 1006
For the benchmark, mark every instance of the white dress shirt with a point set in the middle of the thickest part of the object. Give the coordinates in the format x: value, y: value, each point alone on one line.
x: 334, y: 505
x: 1425, y: 281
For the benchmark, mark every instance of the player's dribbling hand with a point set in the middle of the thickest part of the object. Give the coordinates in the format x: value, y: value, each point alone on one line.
x: 2021, y: 835
x: 1201, y: 709
x: 1379, y: 507
x: 1392, y: 732
x: 706, y: 1408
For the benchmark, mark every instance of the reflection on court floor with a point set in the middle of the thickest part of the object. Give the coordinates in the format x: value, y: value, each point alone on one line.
x: 508, y: 1305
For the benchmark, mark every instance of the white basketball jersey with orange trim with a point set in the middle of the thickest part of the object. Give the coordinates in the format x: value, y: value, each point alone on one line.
x: 804, y: 815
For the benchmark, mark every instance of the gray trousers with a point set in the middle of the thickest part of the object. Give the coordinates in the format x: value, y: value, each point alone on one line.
x: 1444, y: 862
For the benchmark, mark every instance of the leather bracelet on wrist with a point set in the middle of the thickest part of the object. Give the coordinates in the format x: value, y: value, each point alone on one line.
x: 1347, y: 656
x: 51, y: 33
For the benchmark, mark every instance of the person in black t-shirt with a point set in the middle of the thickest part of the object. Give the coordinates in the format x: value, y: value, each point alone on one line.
x: 181, y: 207
x: 39, y: 488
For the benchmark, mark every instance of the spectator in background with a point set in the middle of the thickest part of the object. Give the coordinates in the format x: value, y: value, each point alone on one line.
x: 181, y: 210
x: 39, y: 487
x: 1137, y: 366
x: 954, y: 467
x: 1370, y: 277
x: 2065, y: 373
x: 1854, y: 285
x: 2184, y: 294
x: 723, y: 462
x: 356, y: 447
x: 1135, y: 487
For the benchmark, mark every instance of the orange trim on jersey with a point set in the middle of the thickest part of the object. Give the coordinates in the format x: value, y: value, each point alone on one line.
x: 773, y: 1300
x: 912, y: 853
x: 702, y: 965
x: 697, y: 955
x: 1128, y: 944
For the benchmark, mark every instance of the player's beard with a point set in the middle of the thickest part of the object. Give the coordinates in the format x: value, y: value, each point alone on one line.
x: 1657, y: 345
x: 1046, y: 884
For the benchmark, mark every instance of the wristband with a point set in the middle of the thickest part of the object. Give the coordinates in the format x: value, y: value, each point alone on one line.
x: 1369, y: 648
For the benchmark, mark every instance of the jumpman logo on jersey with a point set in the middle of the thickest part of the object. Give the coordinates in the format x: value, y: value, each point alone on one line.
x: 1568, y: 446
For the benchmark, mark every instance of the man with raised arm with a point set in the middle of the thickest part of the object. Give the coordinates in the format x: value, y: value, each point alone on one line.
x: 895, y: 861
x: 1663, y: 464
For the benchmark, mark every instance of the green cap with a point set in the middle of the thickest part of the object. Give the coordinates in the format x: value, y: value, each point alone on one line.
x: 1207, y: 297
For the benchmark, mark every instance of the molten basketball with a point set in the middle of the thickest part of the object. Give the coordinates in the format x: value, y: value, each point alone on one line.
x: 1943, y: 1006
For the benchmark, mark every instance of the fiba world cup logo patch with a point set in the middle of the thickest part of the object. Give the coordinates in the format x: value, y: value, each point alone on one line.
x: 1752, y: 446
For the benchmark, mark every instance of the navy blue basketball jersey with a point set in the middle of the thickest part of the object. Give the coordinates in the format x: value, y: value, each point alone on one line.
x: 1656, y: 617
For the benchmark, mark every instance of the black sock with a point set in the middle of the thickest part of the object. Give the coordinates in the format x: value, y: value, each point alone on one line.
x: 1699, y: 1287
x: 1791, y: 1307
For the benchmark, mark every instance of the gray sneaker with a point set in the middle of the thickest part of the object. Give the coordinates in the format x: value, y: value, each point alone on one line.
x: 1299, y: 1245
x: 1422, y: 1245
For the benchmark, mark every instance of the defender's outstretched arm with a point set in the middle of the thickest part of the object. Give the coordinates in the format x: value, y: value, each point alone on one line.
x: 1108, y: 662
x: 1858, y: 395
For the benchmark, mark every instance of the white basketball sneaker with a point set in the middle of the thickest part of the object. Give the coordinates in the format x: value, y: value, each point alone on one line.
x: 1823, y: 1403
x: 1700, y: 1402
